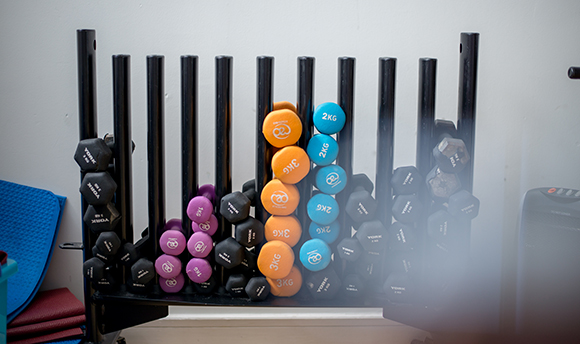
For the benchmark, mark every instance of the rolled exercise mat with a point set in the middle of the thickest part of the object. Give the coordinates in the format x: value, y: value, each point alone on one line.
x: 32, y: 214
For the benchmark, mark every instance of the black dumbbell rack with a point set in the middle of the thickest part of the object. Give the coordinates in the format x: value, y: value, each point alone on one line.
x: 114, y: 311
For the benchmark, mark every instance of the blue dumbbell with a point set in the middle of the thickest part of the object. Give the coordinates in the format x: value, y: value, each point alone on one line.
x: 327, y: 233
x: 330, y: 179
x: 315, y: 254
x: 329, y: 118
x: 322, y: 149
x: 322, y: 209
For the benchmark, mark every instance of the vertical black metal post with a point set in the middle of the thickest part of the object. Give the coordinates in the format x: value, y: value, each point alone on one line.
x: 189, y: 139
x: 469, y: 51
x: 385, y: 138
x: 305, y: 108
x: 155, y: 150
x: 87, y: 93
x: 123, y: 144
x: 264, y: 104
x: 223, y: 139
x: 346, y: 79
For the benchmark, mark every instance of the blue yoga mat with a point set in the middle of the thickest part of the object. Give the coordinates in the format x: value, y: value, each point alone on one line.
x: 30, y: 219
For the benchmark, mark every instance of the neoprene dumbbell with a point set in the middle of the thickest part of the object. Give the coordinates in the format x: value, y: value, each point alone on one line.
x: 286, y: 286
x: 284, y: 228
x: 407, y: 208
x: 276, y: 259
x: 93, y: 155
x: 399, y: 288
x: 327, y: 233
x: 282, y: 128
x: 249, y: 232
x: 167, y: 266
x: 361, y: 206
x: 106, y: 246
x: 229, y: 253
x: 329, y: 118
x: 353, y: 286
x: 198, y: 270
x: 322, y: 149
x: 98, y: 188
x: 209, y: 227
x: 94, y: 269
x: 284, y: 105
x: 172, y: 285
x: 101, y: 218
x: 235, y: 206
x: 236, y: 285
x: 322, y: 209
x: 406, y: 180
x: 451, y: 155
x: 349, y: 249
x: 401, y: 237
x: 368, y: 266
x: 172, y: 241
x: 142, y: 271
x: 315, y: 254
x: 372, y: 235
x: 130, y: 253
x: 324, y: 284
x: 257, y: 288
x: 199, y: 244
x: 248, y: 265
x: 463, y: 205
x: 279, y: 198
x: 206, y: 287
x: 290, y: 164
x: 441, y: 225
x: 441, y: 184
x: 106, y: 284
x: 330, y: 179
x: 207, y: 191
x: 199, y: 209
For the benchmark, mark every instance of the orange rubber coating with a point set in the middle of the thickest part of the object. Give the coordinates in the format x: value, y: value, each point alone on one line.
x: 283, y: 228
x: 284, y: 105
x: 290, y: 164
x: 276, y: 259
x: 279, y: 198
x: 282, y: 128
x: 286, y: 286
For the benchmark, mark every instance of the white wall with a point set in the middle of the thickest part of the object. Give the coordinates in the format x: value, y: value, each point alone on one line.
x: 527, y: 131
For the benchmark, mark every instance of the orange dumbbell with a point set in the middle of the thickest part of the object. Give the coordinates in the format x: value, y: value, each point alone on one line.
x: 290, y: 164
x: 284, y: 105
x: 276, y: 259
x: 283, y: 228
x: 286, y: 286
x: 282, y: 128
x: 279, y: 198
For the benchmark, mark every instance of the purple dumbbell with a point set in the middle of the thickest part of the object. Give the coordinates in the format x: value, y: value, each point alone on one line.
x: 172, y: 242
x: 198, y: 270
x: 167, y: 266
x: 173, y: 224
x: 200, y: 245
x: 172, y: 285
x: 207, y: 191
x: 199, y: 209
x: 209, y: 227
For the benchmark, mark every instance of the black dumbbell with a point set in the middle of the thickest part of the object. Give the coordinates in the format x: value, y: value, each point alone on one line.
x: 441, y: 184
x: 406, y: 180
x: 441, y: 225
x: 361, y: 206
x: 324, y: 284
x: 98, y: 188
x: 142, y: 271
x: 257, y: 288
x: 130, y: 253
x: 369, y: 265
x: 399, y: 288
x: 349, y: 249
x: 229, y: 253
x: 407, y: 208
x: 106, y: 284
x: 236, y: 285
x: 206, y: 287
x: 93, y: 155
x: 353, y: 286
x: 401, y: 237
x: 94, y: 269
x: 372, y: 236
x: 443, y: 128
x: 248, y: 264
x: 463, y: 205
x: 249, y: 232
x: 110, y: 141
x: 106, y: 246
x: 101, y: 218
x: 235, y: 206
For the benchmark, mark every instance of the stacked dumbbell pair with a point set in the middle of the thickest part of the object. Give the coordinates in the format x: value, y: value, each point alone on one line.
x: 280, y: 197
x: 323, y: 210
x: 98, y: 189
x: 236, y: 254
x: 453, y: 206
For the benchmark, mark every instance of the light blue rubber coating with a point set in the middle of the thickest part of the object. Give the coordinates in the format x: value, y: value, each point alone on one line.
x: 315, y: 254
x: 322, y: 149
x: 327, y: 233
x: 331, y: 179
x: 329, y: 118
x: 322, y: 209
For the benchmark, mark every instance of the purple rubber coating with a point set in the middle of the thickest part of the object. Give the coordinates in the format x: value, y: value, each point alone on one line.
x: 199, y: 270
x: 172, y: 285
x: 209, y: 227
x: 172, y: 242
x: 167, y: 266
x: 199, y: 209
x: 173, y: 224
x: 208, y: 191
x: 200, y: 245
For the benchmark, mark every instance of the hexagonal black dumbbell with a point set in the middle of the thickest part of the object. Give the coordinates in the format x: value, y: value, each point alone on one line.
x: 93, y: 155
x: 353, y: 286
x: 98, y: 188
x: 235, y: 206
x: 451, y: 155
x: 206, y: 287
x: 372, y: 236
x: 463, y: 205
x: 349, y: 249
x: 142, y: 271
x: 399, y: 288
x: 324, y: 284
x: 406, y: 180
x: 229, y: 253
x: 258, y: 288
x: 249, y: 189
x: 248, y: 264
x: 236, y: 285
x: 442, y: 129
x: 441, y: 225
x: 249, y: 232
x: 407, y: 208
x: 368, y: 266
x: 110, y: 141
x: 94, y: 269
x: 130, y: 253
x: 441, y: 184
x: 101, y: 218
x: 106, y: 284
x: 106, y: 246
x: 401, y: 237
x: 361, y: 206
